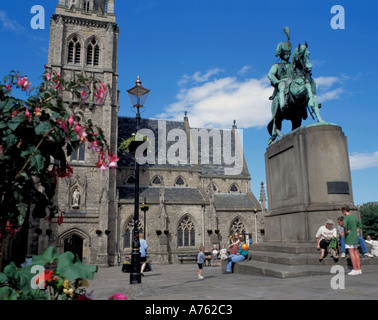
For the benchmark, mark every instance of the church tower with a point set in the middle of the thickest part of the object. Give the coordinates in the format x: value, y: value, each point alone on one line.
x: 84, y: 40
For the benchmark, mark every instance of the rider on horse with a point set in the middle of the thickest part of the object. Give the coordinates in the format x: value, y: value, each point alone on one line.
x: 280, y: 75
x: 295, y: 90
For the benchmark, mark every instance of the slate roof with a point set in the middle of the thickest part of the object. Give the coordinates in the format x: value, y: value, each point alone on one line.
x: 127, y: 125
x: 227, y: 201
x: 180, y: 195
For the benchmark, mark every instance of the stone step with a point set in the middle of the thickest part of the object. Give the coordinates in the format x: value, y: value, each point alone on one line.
x: 279, y: 270
x: 305, y: 258
x: 284, y: 260
x: 284, y: 247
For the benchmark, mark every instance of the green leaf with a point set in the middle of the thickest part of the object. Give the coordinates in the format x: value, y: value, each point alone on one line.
x: 40, y: 160
x: 7, y: 293
x: 34, y: 294
x: 43, y: 127
x: 72, y: 271
x: 20, y: 277
x: 10, y: 140
x: 3, y: 278
x: 37, y: 161
x: 14, y: 123
x: 49, y: 255
x: 3, y: 124
x: 7, y: 104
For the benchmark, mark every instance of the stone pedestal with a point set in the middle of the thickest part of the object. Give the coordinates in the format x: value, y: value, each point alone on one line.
x: 308, y: 179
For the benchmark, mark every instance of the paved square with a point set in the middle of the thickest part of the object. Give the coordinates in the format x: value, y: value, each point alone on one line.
x: 179, y: 282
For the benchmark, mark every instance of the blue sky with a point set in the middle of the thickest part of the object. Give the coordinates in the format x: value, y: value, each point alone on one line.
x: 211, y: 57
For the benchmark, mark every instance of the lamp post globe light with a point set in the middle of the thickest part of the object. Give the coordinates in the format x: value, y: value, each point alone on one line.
x: 138, y: 96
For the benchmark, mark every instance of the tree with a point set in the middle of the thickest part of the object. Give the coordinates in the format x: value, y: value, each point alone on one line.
x: 369, y: 220
x: 36, y: 136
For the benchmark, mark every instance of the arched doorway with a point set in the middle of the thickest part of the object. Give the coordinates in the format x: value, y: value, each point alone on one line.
x: 74, y: 243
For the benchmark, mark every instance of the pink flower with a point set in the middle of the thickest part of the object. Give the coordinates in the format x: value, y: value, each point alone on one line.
x: 48, y: 77
x: 60, y: 219
x: 118, y: 296
x: 84, y: 95
x: 81, y: 134
x: 62, y: 124
x: 113, y: 164
x: 112, y: 160
x: 67, y: 173
x: 101, y: 163
x: 95, y: 146
x: 8, y: 87
x: 9, y: 227
x: 70, y: 120
x: 100, y: 93
x: 24, y: 83
x: 27, y: 113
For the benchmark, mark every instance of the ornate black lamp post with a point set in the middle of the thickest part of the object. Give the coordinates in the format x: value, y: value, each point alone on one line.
x: 138, y: 96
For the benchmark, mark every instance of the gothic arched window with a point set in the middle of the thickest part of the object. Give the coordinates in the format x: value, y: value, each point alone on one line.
x: 212, y: 187
x: 74, y: 51
x: 86, y: 5
x: 179, y: 181
x: 186, y: 233
x: 79, y: 154
x: 130, y: 180
x: 156, y: 180
x: 93, y: 53
x: 237, y: 226
x: 234, y: 188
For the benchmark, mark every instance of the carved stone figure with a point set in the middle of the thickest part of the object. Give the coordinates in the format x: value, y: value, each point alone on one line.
x: 76, y: 198
x: 99, y: 5
x: 73, y: 3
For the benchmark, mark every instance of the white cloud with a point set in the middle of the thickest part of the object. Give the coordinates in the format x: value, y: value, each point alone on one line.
x: 360, y: 161
x: 198, y: 76
x: 324, y: 88
x: 326, y: 82
x: 330, y: 95
x: 244, y: 70
x: 217, y: 102
x: 8, y: 24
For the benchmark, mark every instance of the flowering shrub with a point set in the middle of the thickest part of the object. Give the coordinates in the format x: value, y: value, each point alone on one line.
x: 65, y: 282
x: 36, y: 137
x: 118, y: 296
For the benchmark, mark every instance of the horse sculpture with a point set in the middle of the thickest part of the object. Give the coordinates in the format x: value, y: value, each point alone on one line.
x: 300, y: 92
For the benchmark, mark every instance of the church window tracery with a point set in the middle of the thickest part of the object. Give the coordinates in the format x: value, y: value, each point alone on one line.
x: 186, y: 233
x: 237, y: 226
x: 179, y: 181
x: 74, y: 51
x: 93, y: 53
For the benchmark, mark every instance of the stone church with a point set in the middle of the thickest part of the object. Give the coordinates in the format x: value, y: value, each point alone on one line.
x: 191, y: 203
